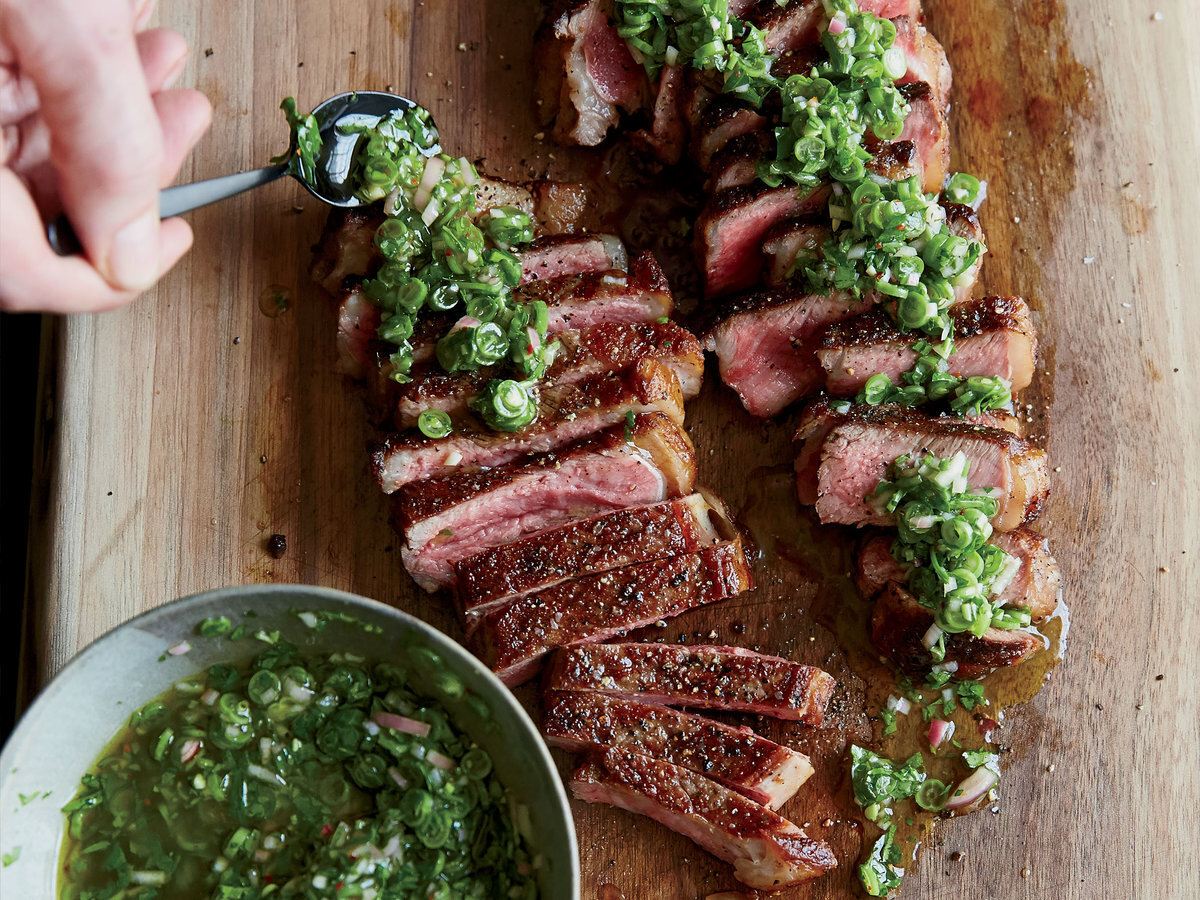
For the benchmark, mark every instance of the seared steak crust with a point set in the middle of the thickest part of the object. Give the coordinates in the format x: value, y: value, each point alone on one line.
x: 622, y: 538
x: 767, y: 851
x: 708, y: 677
x: 762, y: 770
x: 513, y: 640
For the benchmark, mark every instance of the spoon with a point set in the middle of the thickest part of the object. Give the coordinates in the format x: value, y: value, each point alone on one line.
x: 331, y: 185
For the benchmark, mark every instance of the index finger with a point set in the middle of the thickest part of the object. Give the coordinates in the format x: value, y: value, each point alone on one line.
x: 105, y: 137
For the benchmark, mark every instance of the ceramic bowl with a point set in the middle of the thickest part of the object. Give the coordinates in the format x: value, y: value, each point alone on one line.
x: 91, y: 699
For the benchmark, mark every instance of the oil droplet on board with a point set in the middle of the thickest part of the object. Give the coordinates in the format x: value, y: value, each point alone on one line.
x: 275, y: 300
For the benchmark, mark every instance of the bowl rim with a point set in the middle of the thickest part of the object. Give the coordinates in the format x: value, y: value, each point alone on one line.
x: 443, y: 642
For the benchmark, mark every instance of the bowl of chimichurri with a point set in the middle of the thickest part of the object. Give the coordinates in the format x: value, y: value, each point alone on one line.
x: 281, y: 741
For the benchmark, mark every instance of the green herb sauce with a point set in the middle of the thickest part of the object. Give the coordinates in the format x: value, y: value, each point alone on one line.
x: 296, y: 776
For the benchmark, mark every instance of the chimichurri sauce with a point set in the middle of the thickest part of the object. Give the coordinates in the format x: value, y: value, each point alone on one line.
x: 296, y: 776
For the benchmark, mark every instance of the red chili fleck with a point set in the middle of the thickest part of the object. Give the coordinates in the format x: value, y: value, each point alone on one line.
x: 326, y: 830
x: 268, y: 878
x: 899, y: 227
x: 339, y: 885
x: 529, y: 348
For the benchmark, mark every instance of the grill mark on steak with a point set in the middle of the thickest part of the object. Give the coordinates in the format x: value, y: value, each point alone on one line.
x: 899, y: 623
x: 513, y: 640
x: 447, y: 519
x: 566, y: 413
x: 707, y: 677
x: 761, y: 770
x: 993, y: 336
x: 767, y: 851
x: 609, y: 541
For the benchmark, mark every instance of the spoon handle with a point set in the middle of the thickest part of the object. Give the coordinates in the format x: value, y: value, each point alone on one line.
x: 176, y: 200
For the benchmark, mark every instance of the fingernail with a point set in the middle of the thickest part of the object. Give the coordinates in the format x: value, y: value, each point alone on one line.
x: 133, y: 259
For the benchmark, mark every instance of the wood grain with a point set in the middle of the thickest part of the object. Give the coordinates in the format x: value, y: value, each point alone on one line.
x: 182, y: 432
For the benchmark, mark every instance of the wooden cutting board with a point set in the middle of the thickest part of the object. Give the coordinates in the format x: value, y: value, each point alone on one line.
x: 180, y: 433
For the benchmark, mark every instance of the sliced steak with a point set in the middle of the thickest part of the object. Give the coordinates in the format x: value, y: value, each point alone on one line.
x: 899, y: 624
x: 783, y: 242
x: 923, y: 147
x: 586, y: 73
x: 765, y: 344
x: 788, y: 25
x: 513, y: 640
x: 716, y: 121
x: 767, y: 851
x: 609, y: 541
x: 346, y: 248
x: 857, y: 451
x: 595, y: 298
x: 1036, y: 586
x: 993, y: 336
x: 667, y: 136
x: 762, y: 770
x: 926, y: 59
x: 447, y: 519
x: 703, y: 677
x: 358, y: 318
x: 824, y: 413
x: 730, y: 231
x: 736, y: 163
x: 556, y: 255
x: 491, y: 192
x: 564, y: 207
x: 566, y: 413
x: 598, y: 350
x: 788, y: 239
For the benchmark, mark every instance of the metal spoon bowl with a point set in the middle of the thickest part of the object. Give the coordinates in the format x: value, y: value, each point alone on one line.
x: 331, y: 182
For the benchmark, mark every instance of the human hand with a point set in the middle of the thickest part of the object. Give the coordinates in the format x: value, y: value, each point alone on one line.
x: 88, y: 127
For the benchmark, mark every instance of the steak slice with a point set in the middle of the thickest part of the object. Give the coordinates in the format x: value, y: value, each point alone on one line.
x: 512, y: 640
x: 667, y: 136
x: 762, y: 770
x: 767, y: 852
x: 596, y: 298
x: 447, y: 519
x: 555, y: 255
x: 785, y: 240
x: 1037, y: 585
x: 730, y: 231
x: 823, y: 414
x: 764, y: 344
x: 566, y: 413
x: 609, y: 541
x: 716, y: 121
x: 857, y: 451
x: 993, y: 336
x: 598, y: 350
x: 926, y: 59
x: 704, y: 677
x: 923, y: 147
x: 736, y: 163
x: 899, y: 624
x: 346, y: 249
x: 586, y: 73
